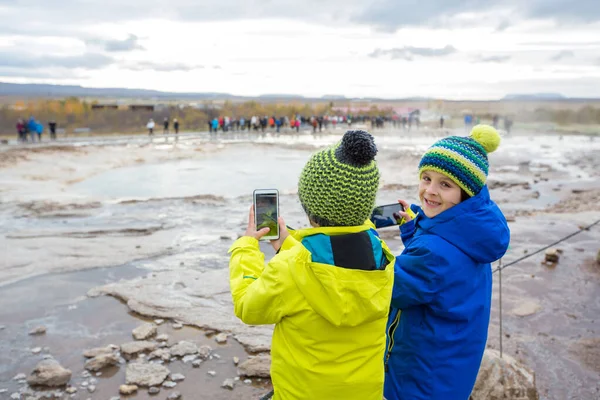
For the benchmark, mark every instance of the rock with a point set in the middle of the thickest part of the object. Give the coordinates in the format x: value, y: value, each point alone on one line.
x: 3, y: 391
x: 228, y: 384
x: 552, y: 255
x: 143, y: 332
x: 146, y: 374
x: 218, y: 357
x: 247, y: 381
x: 132, y: 348
x: 236, y: 360
x: 169, y: 384
x: 86, y: 374
x: 184, y: 348
x: 49, y: 373
x: 91, y: 388
x: 128, y: 389
x: 36, y: 350
x: 526, y: 308
x: 196, y: 363
x: 112, y: 398
x: 101, y: 361
x: 163, y: 337
x: 71, y: 389
x: 221, y: 338
x: 189, y: 358
x: 163, y: 354
x: 91, y: 353
x: 2, y: 327
x: 212, y: 373
x: 259, y: 366
x: 154, y: 390
x: 204, y: 352
x: 84, y: 384
x: 159, y: 321
x: 177, y: 325
x: 15, y: 396
x: 38, y: 330
x: 174, y: 396
x: 503, y: 379
x: 19, y: 377
x: 177, y: 377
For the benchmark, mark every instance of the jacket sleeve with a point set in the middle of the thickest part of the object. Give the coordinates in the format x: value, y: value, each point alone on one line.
x: 416, y: 275
x: 258, y: 290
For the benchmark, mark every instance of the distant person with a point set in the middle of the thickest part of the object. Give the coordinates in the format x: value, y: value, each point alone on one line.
x: 21, y: 131
x: 441, y: 122
x: 468, y: 122
x: 150, y: 126
x: 39, y: 129
x: 215, y: 125
x: 176, y: 126
x: 495, y: 121
x: 52, y: 126
x: 507, y: 124
x: 32, y: 128
x: 166, y: 126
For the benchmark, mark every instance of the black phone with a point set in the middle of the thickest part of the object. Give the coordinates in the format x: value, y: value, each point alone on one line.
x: 266, y: 212
x: 387, y: 215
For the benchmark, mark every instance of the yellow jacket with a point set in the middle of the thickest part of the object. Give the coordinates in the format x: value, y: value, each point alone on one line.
x: 329, y: 339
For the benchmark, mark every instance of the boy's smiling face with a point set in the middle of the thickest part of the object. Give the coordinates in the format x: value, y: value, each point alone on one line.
x: 437, y: 193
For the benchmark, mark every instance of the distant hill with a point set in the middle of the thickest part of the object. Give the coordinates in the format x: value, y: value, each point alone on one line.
x: 16, y: 89
x: 535, y: 96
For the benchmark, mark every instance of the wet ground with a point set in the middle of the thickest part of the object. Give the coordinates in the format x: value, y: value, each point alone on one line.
x: 87, y: 213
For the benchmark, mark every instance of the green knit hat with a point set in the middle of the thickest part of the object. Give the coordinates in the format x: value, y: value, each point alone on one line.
x: 338, y: 185
x: 463, y: 159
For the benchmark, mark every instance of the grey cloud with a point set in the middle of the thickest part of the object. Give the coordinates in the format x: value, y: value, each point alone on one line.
x: 112, y: 45
x: 492, y: 59
x: 28, y: 61
x: 389, y: 15
x: 129, y: 44
x: 161, y: 67
x: 566, y: 10
x: 504, y: 25
x: 37, y: 74
x: 561, y: 55
x: 384, y: 14
x: 408, y: 53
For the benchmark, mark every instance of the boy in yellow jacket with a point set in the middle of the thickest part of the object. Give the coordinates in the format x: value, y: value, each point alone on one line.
x: 328, y: 289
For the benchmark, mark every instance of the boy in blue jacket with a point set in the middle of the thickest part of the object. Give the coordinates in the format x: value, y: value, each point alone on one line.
x: 440, y: 311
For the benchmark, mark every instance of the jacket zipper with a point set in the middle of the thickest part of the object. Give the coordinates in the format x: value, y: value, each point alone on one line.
x: 391, y: 332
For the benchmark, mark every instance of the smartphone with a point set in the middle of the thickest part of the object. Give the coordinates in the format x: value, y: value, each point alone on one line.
x: 387, y: 215
x: 266, y: 211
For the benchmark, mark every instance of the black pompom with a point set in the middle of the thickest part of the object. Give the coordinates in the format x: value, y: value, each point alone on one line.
x: 357, y: 148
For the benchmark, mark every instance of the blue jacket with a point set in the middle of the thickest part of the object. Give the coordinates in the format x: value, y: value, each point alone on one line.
x: 443, y: 287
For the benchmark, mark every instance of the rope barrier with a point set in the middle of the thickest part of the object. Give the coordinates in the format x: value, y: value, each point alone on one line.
x: 587, y: 228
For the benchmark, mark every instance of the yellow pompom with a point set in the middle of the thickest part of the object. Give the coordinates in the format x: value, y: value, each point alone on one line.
x: 486, y: 136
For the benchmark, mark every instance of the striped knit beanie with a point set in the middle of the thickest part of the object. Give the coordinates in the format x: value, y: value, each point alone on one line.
x: 463, y: 159
x: 338, y: 185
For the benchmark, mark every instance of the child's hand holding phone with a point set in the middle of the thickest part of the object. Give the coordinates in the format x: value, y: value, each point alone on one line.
x: 406, y: 215
x: 258, y: 234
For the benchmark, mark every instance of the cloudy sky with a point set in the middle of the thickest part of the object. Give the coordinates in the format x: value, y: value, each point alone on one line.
x: 457, y: 49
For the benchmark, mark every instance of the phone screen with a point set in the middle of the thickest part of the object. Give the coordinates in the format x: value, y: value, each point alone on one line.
x: 387, y: 215
x: 266, y: 210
